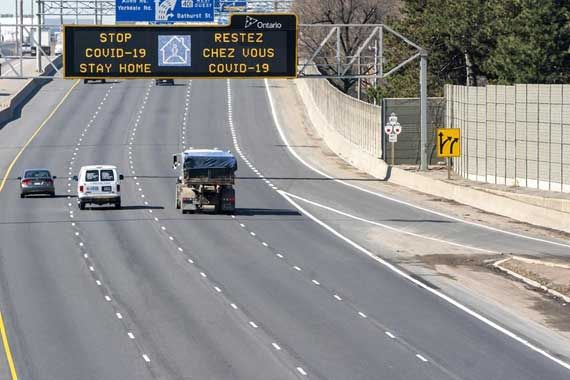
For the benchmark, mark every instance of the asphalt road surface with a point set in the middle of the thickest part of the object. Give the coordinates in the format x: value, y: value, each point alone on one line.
x: 147, y: 293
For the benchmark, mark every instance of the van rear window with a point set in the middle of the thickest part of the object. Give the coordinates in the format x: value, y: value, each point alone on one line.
x: 92, y: 176
x: 107, y: 175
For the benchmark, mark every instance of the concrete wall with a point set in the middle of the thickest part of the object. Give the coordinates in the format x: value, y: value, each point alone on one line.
x: 514, y: 135
x: 356, y: 121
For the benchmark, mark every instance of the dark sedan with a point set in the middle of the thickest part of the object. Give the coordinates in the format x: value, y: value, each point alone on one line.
x: 37, y: 181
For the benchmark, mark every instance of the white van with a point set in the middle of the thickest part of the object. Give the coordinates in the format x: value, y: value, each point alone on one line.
x: 98, y: 184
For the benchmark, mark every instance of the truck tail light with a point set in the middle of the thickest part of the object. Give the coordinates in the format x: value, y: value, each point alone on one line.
x: 81, y: 188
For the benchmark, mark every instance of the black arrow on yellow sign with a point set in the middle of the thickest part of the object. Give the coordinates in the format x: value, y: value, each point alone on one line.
x: 442, y: 142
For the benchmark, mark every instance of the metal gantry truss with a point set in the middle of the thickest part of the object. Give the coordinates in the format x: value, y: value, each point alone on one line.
x: 323, y: 47
x: 330, y: 51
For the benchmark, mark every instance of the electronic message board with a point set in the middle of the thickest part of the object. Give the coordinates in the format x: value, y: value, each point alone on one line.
x: 251, y: 46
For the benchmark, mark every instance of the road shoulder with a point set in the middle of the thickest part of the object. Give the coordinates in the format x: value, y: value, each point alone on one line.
x: 543, y: 320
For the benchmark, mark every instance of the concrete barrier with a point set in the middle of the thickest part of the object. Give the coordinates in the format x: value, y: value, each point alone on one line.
x: 27, y: 91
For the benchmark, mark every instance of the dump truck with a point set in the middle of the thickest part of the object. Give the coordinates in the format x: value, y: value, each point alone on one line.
x: 206, y: 181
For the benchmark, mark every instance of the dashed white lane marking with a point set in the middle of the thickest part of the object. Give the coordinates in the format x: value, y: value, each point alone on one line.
x: 131, y: 335
x: 301, y: 371
x: 253, y: 324
x: 180, y: 249
x: 316, y: 282
x: 203, y: 274
x: 242, y: 225
x: 264, y: 244
x: 392, y: 336
x: 191, y: 261
x: 297, y: 268
x: 279, y: 255
x: 234, y: 306
x: 163, y: 228
x: 146, y: 358
x: 92, y: 269
x: 217, y: 289
x: 276, y: 346
x: 98, y: 282
x: 337, y: 297
x: 252, y: 233
x: 421, y: 358
x: 362, y: 314
x: 119, y: 315
x: 107, y: 298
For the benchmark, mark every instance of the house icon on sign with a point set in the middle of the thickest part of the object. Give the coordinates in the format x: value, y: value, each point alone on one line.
x: 174, y: 50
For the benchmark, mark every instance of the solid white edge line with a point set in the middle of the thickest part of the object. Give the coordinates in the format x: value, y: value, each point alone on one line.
x: 421, y: 284
x: 387, y: 226
x: 380, y: 195
x: 421, y: 358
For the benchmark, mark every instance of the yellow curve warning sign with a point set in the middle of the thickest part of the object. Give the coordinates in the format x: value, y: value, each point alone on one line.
x: 448, y: 142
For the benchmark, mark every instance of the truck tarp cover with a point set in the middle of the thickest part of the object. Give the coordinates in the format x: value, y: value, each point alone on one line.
x: 209, y: 160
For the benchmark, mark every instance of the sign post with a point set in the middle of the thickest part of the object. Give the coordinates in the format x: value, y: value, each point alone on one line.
x: 393, y: 129
x: 251, y: 46
x: 448, y: 145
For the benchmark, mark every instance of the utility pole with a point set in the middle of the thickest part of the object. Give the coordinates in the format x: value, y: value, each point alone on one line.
x: 21, y: 35
x: 423, y: 110
x: 39, y: 38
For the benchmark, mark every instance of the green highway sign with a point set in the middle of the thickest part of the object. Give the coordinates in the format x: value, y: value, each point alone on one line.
x: 251, y: 46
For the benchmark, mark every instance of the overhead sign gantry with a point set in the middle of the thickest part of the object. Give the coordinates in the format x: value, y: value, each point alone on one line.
x: 251, y: 46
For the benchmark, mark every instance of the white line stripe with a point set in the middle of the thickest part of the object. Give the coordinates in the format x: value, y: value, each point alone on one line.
x: 301, y: 371
x: 297, y: 268
x: 380, y: 195
x: 107, y: 298
x: 390, y: 228
x: 437, y: 293
x: 421, y: 358
x: 233, y: 305
x: 362, y: 314
x: 253, y: 324
x: 131, y: 335
x: 336, y: 296
x: 316, y: 282
x: 146, y: 358
x: 276, y: 346
x: 203, y: 274
x: 119, y: 316
x: 279, y: 255
x: 392, y: 336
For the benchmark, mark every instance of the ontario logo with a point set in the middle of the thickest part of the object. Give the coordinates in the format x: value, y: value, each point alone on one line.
x: 252, y: 22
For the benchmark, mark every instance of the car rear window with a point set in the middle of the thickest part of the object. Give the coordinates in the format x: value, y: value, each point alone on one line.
x: 107, y: 175
x: 37, y: 174
x: 92, y: 176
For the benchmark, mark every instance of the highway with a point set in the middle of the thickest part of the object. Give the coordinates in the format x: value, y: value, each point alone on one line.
x: 147, y: 293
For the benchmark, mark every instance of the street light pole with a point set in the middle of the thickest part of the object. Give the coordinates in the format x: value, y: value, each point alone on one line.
x: 423, y: 111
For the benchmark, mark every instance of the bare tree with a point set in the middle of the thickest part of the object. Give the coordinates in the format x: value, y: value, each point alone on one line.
x: 340, y: 12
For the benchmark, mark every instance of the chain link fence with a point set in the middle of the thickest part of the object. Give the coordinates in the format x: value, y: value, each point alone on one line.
x: 513, y: 135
